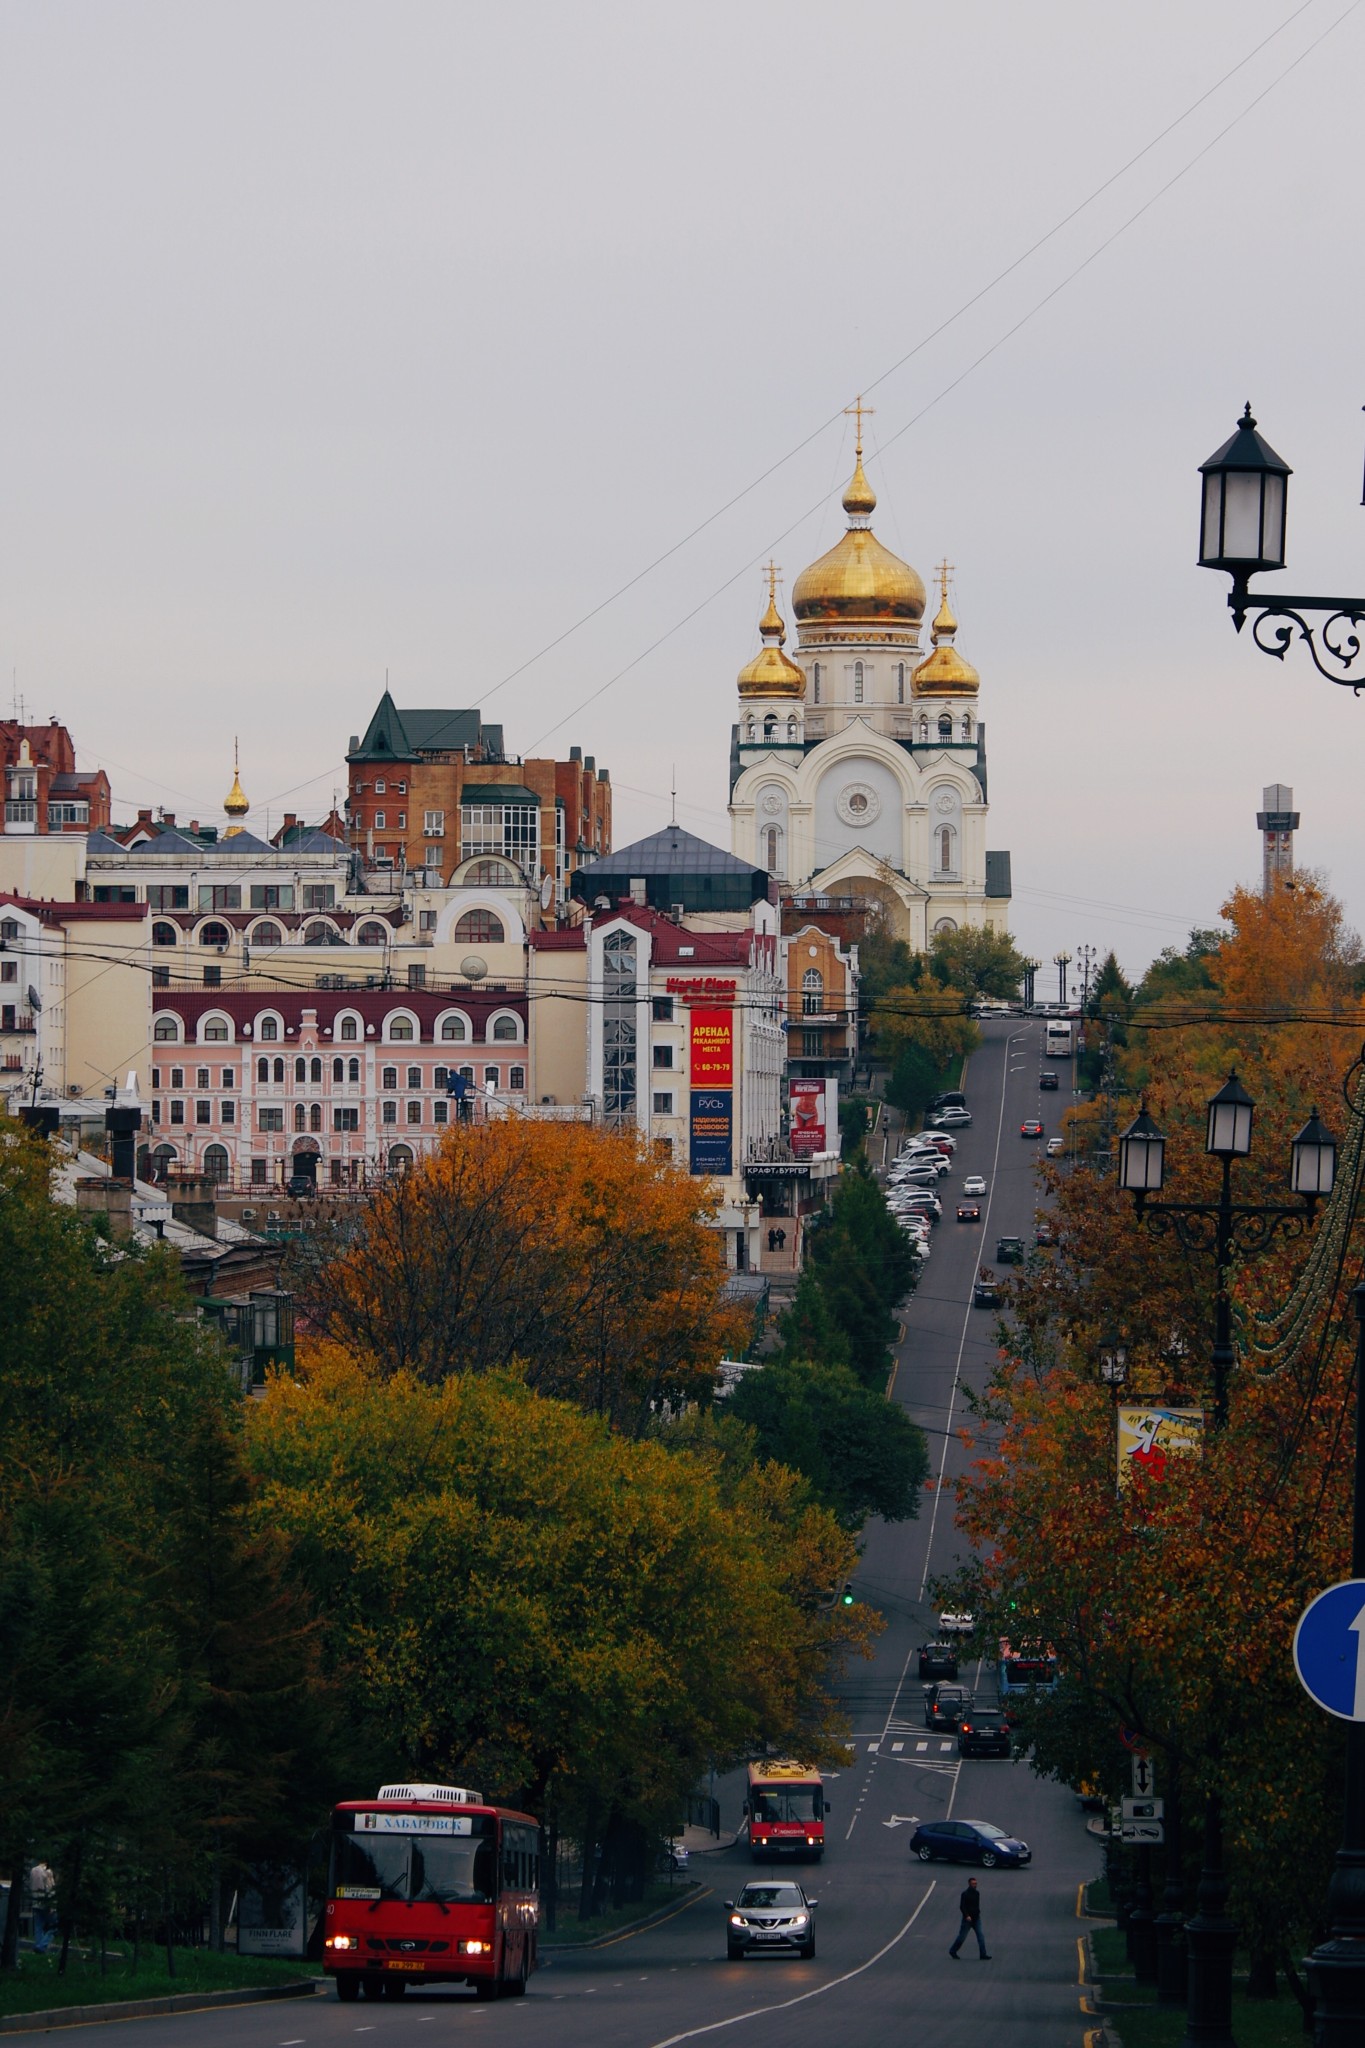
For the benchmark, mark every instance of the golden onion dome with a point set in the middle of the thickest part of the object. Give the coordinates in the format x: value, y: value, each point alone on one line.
x: 945, y: 673
x: 235, y: 802
x: 859, y: 580
x: 771, y: 673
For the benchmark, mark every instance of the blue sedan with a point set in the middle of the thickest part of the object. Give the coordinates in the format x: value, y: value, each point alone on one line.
x: 968, y: 1841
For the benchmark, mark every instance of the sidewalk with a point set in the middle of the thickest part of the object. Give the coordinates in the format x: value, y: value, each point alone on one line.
x: 701, y: 1842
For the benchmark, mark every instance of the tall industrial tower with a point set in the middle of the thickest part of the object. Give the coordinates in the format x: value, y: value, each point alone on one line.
x: 1278, y: 823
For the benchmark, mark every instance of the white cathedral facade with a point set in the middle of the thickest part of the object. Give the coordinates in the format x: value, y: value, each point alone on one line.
x: 859, y: 769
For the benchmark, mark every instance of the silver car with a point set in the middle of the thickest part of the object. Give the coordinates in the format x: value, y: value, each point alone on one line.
x: 772, y: 1916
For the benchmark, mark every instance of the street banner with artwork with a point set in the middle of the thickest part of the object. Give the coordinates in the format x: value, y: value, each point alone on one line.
x: 814, y: 1117
x: 272, y: 1917
x: 1149, y: 1438
x: 711, y: 1131
x: 713, y: 1049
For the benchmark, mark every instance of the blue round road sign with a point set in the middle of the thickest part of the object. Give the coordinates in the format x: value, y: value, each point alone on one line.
x: 1329, y: 1650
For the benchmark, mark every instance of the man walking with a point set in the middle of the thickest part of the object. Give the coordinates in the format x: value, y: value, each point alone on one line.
x: 969, y: 1905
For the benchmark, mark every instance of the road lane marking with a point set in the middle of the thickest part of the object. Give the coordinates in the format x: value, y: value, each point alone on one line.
x: 920, y: 1748
x: 896, y: 1746
x: 759, y: 2012
x: 943, y: 1746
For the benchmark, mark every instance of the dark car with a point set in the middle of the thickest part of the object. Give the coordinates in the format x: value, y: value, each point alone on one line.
x: 983, y: 1732
x: 969, y: 1212
x: 953, y: 1099
x: 968, y: 1841
x: 1031, y: 1127
x: 1009, y: 1251
x: 1043, y: 1232
x: 945, y: 1705
x: 937, y: 1660
x: 770, y: 1915
x: 985, y: 1294
x: 1047, y: 1080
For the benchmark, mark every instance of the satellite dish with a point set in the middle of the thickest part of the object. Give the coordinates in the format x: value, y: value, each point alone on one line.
x: 547, y: 892
x: 473, y: 968
x: 35, y: 1001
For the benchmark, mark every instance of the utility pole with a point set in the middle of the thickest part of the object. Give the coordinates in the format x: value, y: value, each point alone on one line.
x: 1086, y: 956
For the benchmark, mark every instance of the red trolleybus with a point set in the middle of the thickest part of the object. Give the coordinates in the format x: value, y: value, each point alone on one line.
x: 786, y: 1809
x: 431, y: 1885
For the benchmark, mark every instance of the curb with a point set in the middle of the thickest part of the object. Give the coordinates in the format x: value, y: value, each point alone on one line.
x: 59, y: 2016
x: 574, y: 1948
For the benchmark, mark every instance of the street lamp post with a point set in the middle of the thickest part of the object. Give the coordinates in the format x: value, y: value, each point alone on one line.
x: 1030, y: 969
x: 1061, y: 961
x: 1221, y: 1227
x: 1336, y: 1968
x: 1241, y: 533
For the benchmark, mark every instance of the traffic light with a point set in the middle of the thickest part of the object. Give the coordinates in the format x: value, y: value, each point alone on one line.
x: 847, y: 1594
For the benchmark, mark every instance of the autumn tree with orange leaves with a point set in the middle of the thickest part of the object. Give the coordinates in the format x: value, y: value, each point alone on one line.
x: 583, y: 1257
x: 1172, y: 1603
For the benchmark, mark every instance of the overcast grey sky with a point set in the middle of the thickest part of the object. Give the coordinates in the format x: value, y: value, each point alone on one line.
x: 342, y: 338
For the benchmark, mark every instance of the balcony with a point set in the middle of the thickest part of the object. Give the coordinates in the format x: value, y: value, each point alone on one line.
x: 16, y: 1020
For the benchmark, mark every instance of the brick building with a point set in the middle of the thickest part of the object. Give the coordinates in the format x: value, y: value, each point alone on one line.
x: 44, y: 789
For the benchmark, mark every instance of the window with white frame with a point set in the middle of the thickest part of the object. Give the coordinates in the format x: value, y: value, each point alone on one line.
x: 433, y: 824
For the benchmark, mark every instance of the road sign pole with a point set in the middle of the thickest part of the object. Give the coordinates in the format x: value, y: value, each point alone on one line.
x: 1336, y: 1969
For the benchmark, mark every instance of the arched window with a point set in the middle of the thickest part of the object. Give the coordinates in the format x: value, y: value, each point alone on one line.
x: 750, y: 728
x: 300, y: 1070
x: 268, y: 1028
x: 266, y: 934
x: 467, y: 1073
x: 279, y: 1072
x: 165, y: 1030
x: 491, y: 874
x: 165, y: 935
x: 923, y: 730
x: 516, y: 1079
x: 490, y: 1077
x: 389, y: 1078
x: 815, y: 683
x: 262, y: 1070
x: 945, y: 726
x: 338, y: 1070
x: 506, y: 1029
x: 214, y: 934
x: 945, y: 850
x: 315, y: 1116
x: 315, y: 1070
x: 300, y: 1116
x: 770, y: 726
x: 454, y: 1028
x: 414, y: 1077
x: 372, y: 934
x: 353, y: 1070
x: 480, y: 927
x: 348, y: 1029
x: 946, y: 924
x: 900, y: 682
x: 400, y: 1158
x: 216, y: 1163
x: 966, y: 725
x: 163, y: 1159
x: 791, y: 727
x: 214, y: 1031
x: 812, y: 992
x: 772, y: 848
x: 320, y: 933
x: 399, y: 1029
x: 857, y: 682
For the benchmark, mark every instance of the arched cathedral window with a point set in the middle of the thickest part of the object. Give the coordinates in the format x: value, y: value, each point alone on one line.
x: 815, y: 683
x: 900, y: 682
x: 857, y: 682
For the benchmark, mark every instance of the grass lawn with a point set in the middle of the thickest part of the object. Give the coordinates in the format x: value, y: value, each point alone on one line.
x: 35, y: 1985
x: 1256, y: 2022
x: 658, y: 1895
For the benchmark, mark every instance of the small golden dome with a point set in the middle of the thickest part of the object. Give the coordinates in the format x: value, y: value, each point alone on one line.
x: 859, y: 579
x: 945, y: 673
x: 235, y: 802
x: 771, y: 673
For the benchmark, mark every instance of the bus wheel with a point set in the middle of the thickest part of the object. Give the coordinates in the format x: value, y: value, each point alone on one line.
x: 394, y: 1987
x: 348, y: 1986
x: 373, y: 1987
x: 515, y: 1987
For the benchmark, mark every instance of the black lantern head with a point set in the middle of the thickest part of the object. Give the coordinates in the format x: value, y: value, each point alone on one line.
x: 1142, y: 1155
x: 1241, y: 527
x: 1314, y: 1155
x: 1230, y: 1114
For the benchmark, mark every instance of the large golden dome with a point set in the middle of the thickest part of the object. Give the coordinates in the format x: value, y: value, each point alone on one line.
x: 859, y: 580
x: 771, y: 673
x: 945, y: 673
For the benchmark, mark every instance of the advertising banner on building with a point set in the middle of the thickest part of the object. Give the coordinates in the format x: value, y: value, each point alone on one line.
x: 1150, y: 1438
x: 711, y: 1131
x: 814, y: 1117
x: 272, y: 1913
x: 713, y: 1049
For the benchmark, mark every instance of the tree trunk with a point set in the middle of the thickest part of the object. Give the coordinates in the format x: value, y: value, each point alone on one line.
x: 216, y: 1898
x: 586, y: 1884
x: 9, y: 1945
x: 166, y: 1904
x: 1261, y: 1970
x: 68, y: 1899
x: 549, y: 1878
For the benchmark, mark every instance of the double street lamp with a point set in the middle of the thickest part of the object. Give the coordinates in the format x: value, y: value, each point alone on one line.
x: 1241, y: 533
x: 1061, y: 961
x: 1221, y: 1227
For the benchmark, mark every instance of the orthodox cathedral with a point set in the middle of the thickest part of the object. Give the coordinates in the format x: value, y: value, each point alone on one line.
x: 859, y: 769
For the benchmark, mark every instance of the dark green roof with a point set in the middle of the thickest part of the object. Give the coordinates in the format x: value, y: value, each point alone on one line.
x: 498, y: 793
x: 676, y: 867
x: 394, y: 735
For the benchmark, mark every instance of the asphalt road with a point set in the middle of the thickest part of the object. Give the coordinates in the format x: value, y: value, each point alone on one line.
x: 882, y: 1972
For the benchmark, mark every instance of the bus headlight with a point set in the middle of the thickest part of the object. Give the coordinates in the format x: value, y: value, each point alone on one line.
x: 341, y: 1941
x: 475, y: 1948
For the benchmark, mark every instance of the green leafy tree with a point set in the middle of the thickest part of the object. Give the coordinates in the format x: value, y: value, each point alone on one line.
x: 913, y: 1082
x: 981, y: 961
x: 861, y: 1453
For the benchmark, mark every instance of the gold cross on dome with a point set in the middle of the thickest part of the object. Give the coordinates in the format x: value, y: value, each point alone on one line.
x: 772, y: 572
x: 945, y: 570
x: 858, y: 409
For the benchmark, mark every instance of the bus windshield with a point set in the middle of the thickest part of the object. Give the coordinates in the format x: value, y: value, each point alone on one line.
x: 792, y: 1802
x: 444, y: 1870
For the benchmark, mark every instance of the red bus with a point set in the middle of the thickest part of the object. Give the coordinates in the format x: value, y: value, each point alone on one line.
x: 429, y: 1884
x: 786, y: 1809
